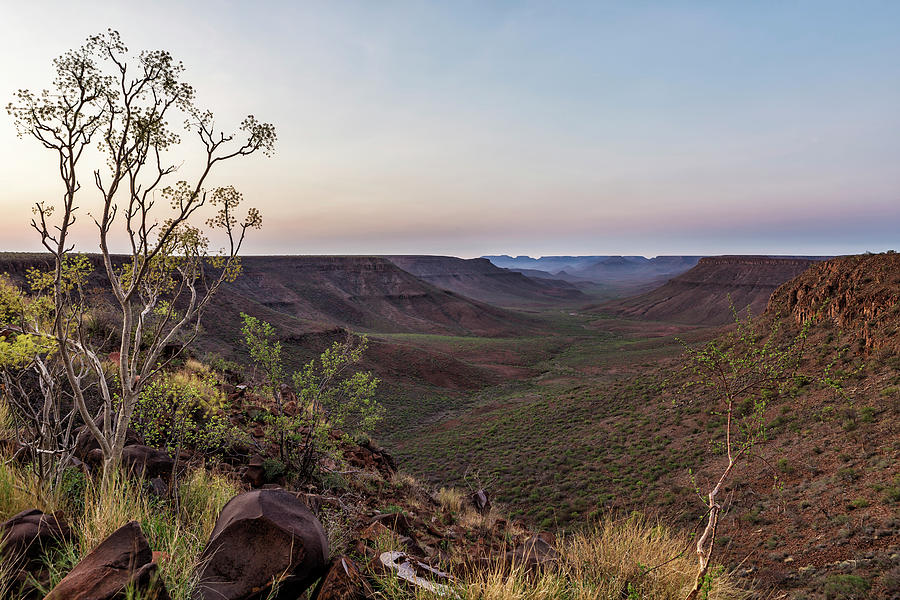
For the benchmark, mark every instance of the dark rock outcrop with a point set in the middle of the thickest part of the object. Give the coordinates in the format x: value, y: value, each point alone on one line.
x: 344, y: 581
x: 255, y: 473
x: 121, y: 561
x: 146, y: 461
x: 262, y: 536
x: 28, y: 533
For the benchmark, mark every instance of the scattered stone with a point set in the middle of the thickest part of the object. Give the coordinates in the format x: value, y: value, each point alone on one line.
x: 26, y: 534
x: 261, y: 536
x: 85, y: 441
x: 344, y: 581
x: 398, y: 522
x: 123, y: 560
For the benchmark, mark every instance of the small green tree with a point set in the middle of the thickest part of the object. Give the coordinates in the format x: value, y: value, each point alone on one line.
x: 335, y: 402
x: 745, y: 371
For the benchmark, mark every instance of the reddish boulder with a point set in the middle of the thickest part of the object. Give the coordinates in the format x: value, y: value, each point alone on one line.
x: 27, y: 533
x: 261, y: 536
x: 122, y: 561
x: 255, y: 474
x: 344, y: 581
x: 85, y: 441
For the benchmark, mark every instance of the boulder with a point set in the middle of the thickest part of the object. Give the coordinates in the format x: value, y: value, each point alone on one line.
x: 121, y: 561
x: 344, y: 581
x: 26, y: 534
x: 255, y: 474
x: 261, y: 536
x: 147, y: 461
x: 85, y: 441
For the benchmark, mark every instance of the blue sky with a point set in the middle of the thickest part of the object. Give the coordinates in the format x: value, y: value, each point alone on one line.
x: 471, y: 128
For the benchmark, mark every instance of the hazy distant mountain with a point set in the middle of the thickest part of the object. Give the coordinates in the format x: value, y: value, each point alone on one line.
x: 632, y: 270
x: 550, y: 264
x: 478, y: 279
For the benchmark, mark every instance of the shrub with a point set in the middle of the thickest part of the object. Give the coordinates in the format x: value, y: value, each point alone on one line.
x: 335, y: 403
x: 846, y: 587
x: 184, y: 409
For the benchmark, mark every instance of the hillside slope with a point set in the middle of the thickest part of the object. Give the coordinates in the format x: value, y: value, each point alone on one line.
x: 479, y: 279
x: 858, y: 293
x: 704, y: 295
x: 366, y: 293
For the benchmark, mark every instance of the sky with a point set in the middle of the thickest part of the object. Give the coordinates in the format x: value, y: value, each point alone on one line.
x: 539, y: 128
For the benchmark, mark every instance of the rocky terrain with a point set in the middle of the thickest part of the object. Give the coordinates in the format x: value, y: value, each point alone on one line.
x: 576, y: 417
x: 705, y: 294
x: 367, y: 294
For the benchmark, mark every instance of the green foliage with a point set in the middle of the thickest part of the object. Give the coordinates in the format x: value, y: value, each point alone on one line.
x: 17, y: 351
x: 746, y: 371
x: 273, y: 469
x: 265, y: 351
x: 184, y: 409
x: 334, y: 401
x: 846, y: 587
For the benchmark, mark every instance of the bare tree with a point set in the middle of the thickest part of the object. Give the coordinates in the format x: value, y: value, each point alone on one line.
x: 167, y: 275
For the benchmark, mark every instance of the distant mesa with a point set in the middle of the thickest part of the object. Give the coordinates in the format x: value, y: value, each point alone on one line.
x: 705, y: 294
x: 479, y: 279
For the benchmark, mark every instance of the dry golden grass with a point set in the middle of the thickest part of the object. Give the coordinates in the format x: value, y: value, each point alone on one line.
x: 451, y: 499
x: 20, y: 488
x: 614, y: 560
x: 202, y: 495
x: 110, y: 503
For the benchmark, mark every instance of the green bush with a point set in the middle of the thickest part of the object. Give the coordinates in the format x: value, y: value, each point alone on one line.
x: 184, y: 409
x: 846, y: 587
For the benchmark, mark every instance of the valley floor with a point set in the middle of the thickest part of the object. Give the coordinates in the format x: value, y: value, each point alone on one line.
x: 587, y: 421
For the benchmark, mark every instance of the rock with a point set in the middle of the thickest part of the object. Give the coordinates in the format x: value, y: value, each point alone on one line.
x: 369, y: 457
x: 260, y: 536
x: 344, y: 581
x: 533, y: 554
x: 158, y: 487
x: 26, y: 534
x: 398, y: 522
x: 481, y: 502
x: 148, y: 462
x: 85, y: 441
x: 254, y: 475
x: 121, y: 561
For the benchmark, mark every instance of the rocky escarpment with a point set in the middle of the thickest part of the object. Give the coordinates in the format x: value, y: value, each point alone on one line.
x: 366, y: 292
x: 479, y: 279
x: 854, y: 293
x: 705, y: 294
